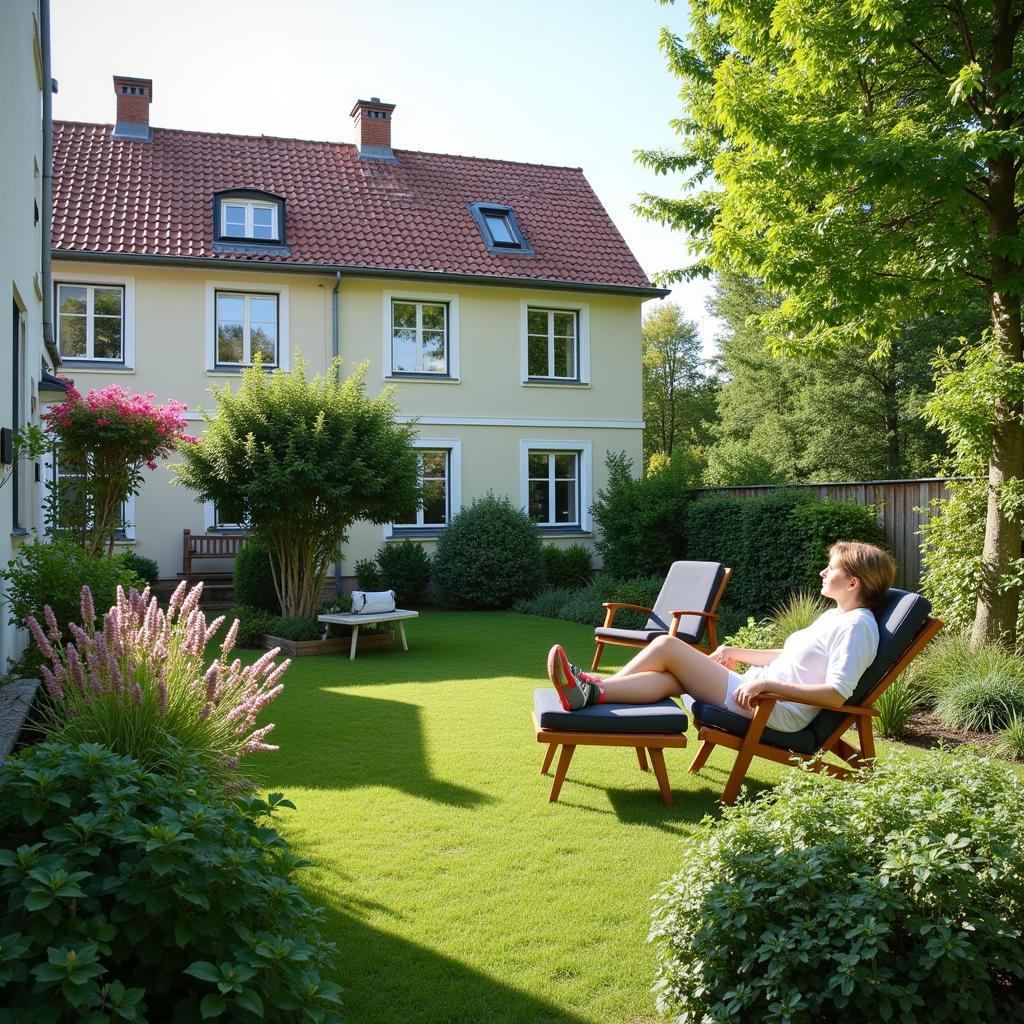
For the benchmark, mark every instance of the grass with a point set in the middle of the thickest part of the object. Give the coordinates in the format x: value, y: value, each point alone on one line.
x: 456, y: 893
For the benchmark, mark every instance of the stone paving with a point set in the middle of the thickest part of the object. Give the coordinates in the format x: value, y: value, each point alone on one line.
x: 15, y: 701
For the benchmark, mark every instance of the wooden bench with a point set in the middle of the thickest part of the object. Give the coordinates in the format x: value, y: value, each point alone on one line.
x: 209, y: 545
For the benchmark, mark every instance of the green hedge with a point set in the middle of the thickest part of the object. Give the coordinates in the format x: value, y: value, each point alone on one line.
x: 776, y: 544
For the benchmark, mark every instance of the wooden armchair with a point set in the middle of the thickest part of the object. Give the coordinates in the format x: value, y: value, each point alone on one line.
x: 686, y: 607
x: 905, y: 627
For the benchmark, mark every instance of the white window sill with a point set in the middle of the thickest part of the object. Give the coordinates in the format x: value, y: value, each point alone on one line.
x: 554, y: 382
x: 421, y: 378
x: 92, y: 366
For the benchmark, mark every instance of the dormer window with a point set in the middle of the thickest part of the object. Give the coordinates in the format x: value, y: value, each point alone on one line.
x: 249, y: 217
x: 499, y: 228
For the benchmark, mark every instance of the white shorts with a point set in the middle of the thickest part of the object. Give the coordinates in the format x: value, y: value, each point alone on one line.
x: 786, y: 716
x: 734, y: 681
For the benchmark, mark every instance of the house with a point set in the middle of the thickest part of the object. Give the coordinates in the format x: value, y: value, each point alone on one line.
x: 497, y: 297
x: 26, y: 358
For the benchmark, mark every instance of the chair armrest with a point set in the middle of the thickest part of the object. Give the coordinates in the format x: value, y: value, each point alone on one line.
x: 613, y: 606
x: 703, y: 615
x: 846, y: 709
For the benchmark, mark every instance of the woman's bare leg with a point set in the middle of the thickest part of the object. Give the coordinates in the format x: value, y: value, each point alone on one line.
x: 667, y: 667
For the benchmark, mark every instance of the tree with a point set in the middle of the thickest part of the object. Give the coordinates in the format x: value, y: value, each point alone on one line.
x: 678, y: 395
x: 863, y: 161
x: 300, y: 461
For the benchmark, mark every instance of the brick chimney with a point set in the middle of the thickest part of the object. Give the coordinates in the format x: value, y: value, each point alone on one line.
x: 372, y: 121
x: 133, y: 98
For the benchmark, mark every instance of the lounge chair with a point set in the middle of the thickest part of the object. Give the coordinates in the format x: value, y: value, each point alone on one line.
x: 685, y: 608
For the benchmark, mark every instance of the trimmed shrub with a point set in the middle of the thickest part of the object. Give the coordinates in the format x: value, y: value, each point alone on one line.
x: 295, y: 628
x: 898, y: 898
x: 405, y: 569
x: 254, y: 580
x: 368, y: 575
x: 642, y: 524
x: 133, y: 895
x: 54, y: 573
x: 822, y: 523
x: 568, y: 568
x: 253, y: 623
x: 585, y: 606
x: 146, y: 569
x: 489, y: 556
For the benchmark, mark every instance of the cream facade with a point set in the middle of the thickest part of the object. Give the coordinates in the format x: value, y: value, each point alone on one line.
x: 484, y: 422
x: 22, y: 354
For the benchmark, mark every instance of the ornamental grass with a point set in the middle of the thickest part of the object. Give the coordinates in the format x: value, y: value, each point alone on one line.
x: 140, y: 684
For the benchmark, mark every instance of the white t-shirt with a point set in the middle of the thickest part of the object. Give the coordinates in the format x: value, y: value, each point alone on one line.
x: 835, y: 649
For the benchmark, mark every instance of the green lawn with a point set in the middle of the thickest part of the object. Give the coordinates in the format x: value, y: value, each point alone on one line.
x: 455, y: 892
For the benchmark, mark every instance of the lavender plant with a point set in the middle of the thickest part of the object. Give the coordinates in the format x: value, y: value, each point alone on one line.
x: 140, y: 686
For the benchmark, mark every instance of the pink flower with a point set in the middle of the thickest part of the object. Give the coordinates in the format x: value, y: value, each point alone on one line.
x: 40, y: 637
x: 88, y: 608
x: 52, y: 686
x: 52, y: 629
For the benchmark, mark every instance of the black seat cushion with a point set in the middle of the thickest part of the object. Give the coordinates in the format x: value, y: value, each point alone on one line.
x: 645, y: 636
x: 899, y: 621
x: 666, y: 716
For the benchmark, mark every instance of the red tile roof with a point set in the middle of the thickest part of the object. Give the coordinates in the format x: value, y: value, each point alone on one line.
x: 137, y: 198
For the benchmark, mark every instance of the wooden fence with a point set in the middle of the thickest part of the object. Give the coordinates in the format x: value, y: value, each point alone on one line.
x: 903, y: 506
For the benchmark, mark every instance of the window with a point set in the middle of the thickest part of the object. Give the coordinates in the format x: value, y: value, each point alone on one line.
x: 90, y: 322
x: 433, y: 477
x: 554, y: 488
x: 552, y: 343
x: 247, y: 326
x: 499, y: 228
x: 17, y: 410
x: 419, y: 337
x: 249, y: 216
x: 71, y: 499
x: 222, y: 518
x: 555, y: 481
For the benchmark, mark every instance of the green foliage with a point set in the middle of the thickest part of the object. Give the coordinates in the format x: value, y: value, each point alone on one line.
x: 568, y: 568
x: 141, y: 686
x: 733, y: 463
x: 895, y: 706
x: 776, y: 544
x: 1011, y: 739
x: 981, y: 702
x: 756, y: 634
x: 45, y: 573
x: 895, y: 899
x: 585, y: 605
x: 405, y: 569
x: 797, y: 611
x: 133, y: 895
x: 254, y: 578
x: 489, y: 556
x: 368, y: 575
x: 145, y: 569
x: 642, y: 523
x: 303, y: 460
x: 253, y: 624
x: 295, y: 628
x: 679, y: 397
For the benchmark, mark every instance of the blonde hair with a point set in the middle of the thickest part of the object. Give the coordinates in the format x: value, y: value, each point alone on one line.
x: 875, y: 568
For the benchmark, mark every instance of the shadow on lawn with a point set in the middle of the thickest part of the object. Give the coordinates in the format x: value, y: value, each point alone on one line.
x: 381, y: 745
x: 387, y: 980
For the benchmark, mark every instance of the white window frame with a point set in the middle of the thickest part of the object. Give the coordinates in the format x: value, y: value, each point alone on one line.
x: 245, y: 288
x: 250, y: 205
x: 416, y: 296
x: 125, y: 535
x: 584, y: 450
x: 210, y: 521
x: 454, y: 447
x: 582, y: 311
x: 127, y: 284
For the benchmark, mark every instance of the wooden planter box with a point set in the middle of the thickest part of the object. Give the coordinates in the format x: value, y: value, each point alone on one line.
x: 333, y: 645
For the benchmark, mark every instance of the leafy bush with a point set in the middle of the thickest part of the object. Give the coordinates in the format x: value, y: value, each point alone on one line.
x: 405, y: 569
x: 899, y: 898
x: 339, y: 606
x: 254, y: 579
x: 146, y: 569
x: 776, y: 544
x: 489, y: 556
x: 295, y: 628
x: 54, y: 573
x: 568, y: 568
x: 133, y: 895
x: 642, y: 524
x: 139, y: 685
x: 253, y: 624
x: 981, y: 702
x: 585, y: 606
x: 756, y: 634
x: 368, y: 575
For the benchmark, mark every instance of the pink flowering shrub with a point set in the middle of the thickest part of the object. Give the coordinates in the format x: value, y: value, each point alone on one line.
x: 104, y: 440
x: 140, y: 686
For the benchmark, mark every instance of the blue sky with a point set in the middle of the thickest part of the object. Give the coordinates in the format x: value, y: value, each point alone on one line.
x: 572, y: 82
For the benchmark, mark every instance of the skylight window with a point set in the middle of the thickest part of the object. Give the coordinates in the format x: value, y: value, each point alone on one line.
x: 250, y: 216
x: 499, y: 228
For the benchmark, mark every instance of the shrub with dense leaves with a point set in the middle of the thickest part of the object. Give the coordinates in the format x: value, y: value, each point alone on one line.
x: 147, y: 570
x: 253, y: 578
x: 140, y: 684
x: 253, y: 624
x: 132, y: 895
x: 585, y: 605
x: 295, y: 628
x: 489, y: 556
x: 54, y: 573
x: 405, y: 569
x: 899, y: 898
x: 368, y: 575
x: 568, y: 568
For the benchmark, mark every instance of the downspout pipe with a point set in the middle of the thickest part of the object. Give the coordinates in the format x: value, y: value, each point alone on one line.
x: 46, y: 214
x: 335, y: 352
